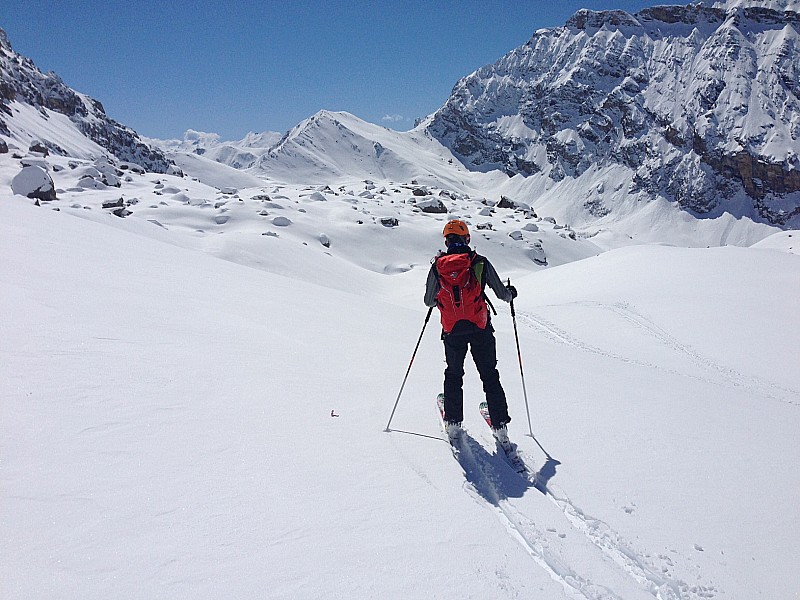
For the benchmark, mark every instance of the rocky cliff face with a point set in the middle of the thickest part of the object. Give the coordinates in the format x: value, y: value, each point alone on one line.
x: 700, y: 102
x: 21, y: 81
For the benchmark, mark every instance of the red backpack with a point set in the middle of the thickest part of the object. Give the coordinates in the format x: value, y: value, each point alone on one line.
x: 461, y: 294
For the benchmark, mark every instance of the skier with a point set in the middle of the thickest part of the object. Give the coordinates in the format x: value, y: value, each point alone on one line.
x: 456, y: 283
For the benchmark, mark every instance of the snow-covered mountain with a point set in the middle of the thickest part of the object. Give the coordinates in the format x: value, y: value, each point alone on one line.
x: 39, y: 109
x: 695, y: 105
x: 330, y: 146
x: 698, y: 104
x: 239, y: 154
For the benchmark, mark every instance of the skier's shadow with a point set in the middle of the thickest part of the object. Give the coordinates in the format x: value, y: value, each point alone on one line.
x: 546, y: 473
x: 490, y: 475
x: 493, y: 478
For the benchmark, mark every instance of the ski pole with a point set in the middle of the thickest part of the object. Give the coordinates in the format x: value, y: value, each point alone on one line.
x: 519, y: 355
x: 396, y: 402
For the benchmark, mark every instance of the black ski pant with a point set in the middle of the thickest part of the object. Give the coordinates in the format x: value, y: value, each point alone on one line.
x: 484, y: 352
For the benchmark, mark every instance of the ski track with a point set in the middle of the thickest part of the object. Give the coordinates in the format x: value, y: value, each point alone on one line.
x: 724, y: 375
x: 613, y: 546
x: 483, y: 485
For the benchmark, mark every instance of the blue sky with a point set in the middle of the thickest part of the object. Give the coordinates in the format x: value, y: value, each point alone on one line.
x: 234, y: 67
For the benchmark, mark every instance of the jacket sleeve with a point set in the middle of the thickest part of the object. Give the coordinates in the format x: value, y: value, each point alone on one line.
x: 493, y: 281
x: 432, y: 286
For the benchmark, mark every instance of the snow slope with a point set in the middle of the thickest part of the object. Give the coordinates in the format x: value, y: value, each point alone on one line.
x: 168, y: 425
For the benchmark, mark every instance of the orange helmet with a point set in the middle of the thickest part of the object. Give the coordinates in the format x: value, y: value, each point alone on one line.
x: 457, y: 227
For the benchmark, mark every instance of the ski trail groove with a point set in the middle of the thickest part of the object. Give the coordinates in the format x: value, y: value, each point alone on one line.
x: 719, y: 374
x: 481, y: 484
x: 611, y: 544
x: 750, y: 382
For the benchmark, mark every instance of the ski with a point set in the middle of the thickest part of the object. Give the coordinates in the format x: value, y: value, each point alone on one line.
x: 454, y: 441
x: 508, y: 448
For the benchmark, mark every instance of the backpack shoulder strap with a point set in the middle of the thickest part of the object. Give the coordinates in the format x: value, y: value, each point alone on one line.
x: 478, y: 264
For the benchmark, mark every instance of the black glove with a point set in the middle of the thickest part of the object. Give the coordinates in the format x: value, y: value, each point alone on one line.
x: 512, y: 290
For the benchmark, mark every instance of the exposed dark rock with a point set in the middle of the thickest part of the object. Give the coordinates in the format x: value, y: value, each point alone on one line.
x: 585, y: 19
x: 114, y: 203
x: 506, y: 202
x: 39, y: 147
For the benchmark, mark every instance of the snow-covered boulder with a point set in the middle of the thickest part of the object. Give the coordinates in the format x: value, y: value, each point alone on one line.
x: 39, y: 148
x: 87, y: 182
x: 536, y: 254
x: 432, y: 205
x: 281, y: 221
x: 109, y: 174
x: 34, y: 182
x: 133, y: 167
x: 30, y: 161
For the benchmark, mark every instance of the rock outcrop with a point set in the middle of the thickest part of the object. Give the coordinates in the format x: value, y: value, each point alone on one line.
x: 700, y: 102
x: 21, y: 81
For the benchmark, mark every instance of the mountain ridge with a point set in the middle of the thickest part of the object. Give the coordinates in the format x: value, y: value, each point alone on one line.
x: 23, y: 84
x: 610, y: 88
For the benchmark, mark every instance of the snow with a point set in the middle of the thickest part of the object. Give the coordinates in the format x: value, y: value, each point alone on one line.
x: 33, y: 124
x: 170, y: 381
